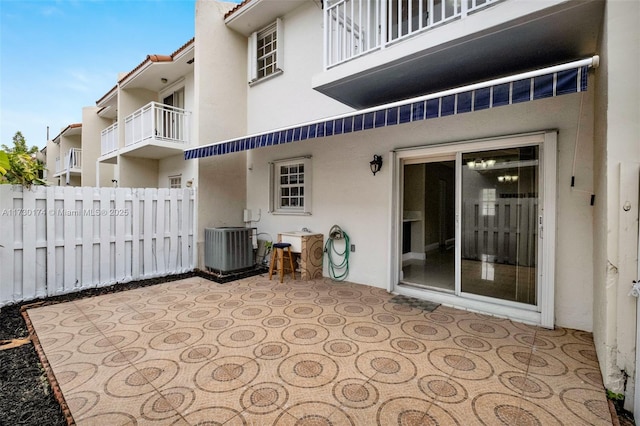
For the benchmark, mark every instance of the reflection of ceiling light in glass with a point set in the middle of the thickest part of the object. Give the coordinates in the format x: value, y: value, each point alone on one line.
x: 479, y: 163
x: 508, y: 178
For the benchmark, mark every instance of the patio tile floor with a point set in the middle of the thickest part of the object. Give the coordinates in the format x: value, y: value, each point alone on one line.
x: 261, y: 352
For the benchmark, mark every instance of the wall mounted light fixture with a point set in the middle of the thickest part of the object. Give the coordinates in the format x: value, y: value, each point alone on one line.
x: 375, y: 164
x: 164, y: 80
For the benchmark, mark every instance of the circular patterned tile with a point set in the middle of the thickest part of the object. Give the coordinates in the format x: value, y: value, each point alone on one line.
x: 442, y: 389
x: 581, y: 352
x: 303, y: 311
x: 198, y: 314
x: 386, y: 366
x: 325, y: 301
x: 425, y: 330
x: 199, y: 353
x: 483, y: 328
x: 301, y: 294
x: 366, y: 332
x: 353, y: 309
x: 355, y: 393
x: 528, y: 339
x: 39, y: 315
x: 590, y: 376
x: 82, y: 402
x: 583, y: 336
x: 166, y: 404
x: 159, y: 326
x: 226, y: 374
x: 166, y: 299
x: 523, y: 359
x: 212, y: 298
x: 527, y: 385
x: 340, y: 347
x: 144, y: 317
x: 181, y: 306
x: 413, y: 411
x: 460, y: 364
x: 439, y: 317
x: 231, y: 304
x: 314, y: 414
x: 144, y: 377
x: 499, y: 408
x: 345, y: 293
x: 386, y: 319
x: 110, y: 418
x: 472, y: 343
x: 176, y: 339
x: 408, y: 345
x: 264, y: 398
x: 278, y: 302
x: 100, y: 344
x: 308, y: 370
x: 588, y: 404
x: 242, y: 336
x: 372, y: 300
x: 305, y: 334
x: 84, y: 319
x: 332, y: 320
x: 401, y: 310
x: 218, y: 324
x: 124, y: 357
x: 93, y: 329
x: 258, y: 296
x: 251, y: 312
x: 222, y: 415
x: 119, y: 299
x: 70, y: 376
x: 276, y: 322
x: 271, y: 350
x: 58, y: 357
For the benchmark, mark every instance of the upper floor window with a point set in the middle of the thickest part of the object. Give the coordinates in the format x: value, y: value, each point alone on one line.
x: 175, y: 181
x: 291, y: 186
x: 265, y: 52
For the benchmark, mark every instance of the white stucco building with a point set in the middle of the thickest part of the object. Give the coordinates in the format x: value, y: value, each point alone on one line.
x: 508, y: 132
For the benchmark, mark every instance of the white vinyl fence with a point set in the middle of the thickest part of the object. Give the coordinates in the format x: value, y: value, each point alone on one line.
x: 56, y: 240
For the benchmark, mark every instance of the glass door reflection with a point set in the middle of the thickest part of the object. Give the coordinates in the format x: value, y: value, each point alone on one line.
x: 499, y: 224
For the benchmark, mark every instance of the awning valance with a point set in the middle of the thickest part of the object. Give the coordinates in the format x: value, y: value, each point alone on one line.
x: 543, y: 83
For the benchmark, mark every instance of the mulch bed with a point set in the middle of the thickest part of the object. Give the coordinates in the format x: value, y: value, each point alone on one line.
x: 26, y: 397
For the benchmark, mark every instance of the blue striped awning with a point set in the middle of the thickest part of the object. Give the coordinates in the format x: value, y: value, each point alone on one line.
x: 539, y: 84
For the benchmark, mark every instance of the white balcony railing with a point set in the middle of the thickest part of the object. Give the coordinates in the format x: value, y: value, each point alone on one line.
x: 355, y: 27
x: 71, y: 161
x: 109, y: 139
x: 158, y: 122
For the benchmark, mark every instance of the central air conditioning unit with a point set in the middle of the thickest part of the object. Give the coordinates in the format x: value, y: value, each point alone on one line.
x: 228, y: 249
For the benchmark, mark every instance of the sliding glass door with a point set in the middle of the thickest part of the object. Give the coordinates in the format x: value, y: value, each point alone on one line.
x: 469, y: 224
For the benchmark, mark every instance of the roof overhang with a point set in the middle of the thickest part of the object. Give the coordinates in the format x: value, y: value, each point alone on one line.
x: 518, y: 88
x: 253, y: 15
x: 74, y: 129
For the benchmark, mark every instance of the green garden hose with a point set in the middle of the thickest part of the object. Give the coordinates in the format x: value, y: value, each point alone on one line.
x: 337, y: 271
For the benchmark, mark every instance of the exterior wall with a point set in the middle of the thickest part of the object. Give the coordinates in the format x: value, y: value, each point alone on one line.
x: 173, y: 166
x: 220, y: 113
x: 288, y: 98
x: 137, y: 172
x: 53, y: 151
x: 617, y: 178
x: 344, y: 191
x: 92, y: 125
x: 129, y: 101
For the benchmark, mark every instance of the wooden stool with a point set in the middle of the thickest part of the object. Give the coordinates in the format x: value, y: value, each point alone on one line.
x: 279, y: 255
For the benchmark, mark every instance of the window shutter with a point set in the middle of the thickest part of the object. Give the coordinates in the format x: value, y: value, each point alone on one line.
x: 252, y: 57
x: 280, y: 44
x: 272, y: 194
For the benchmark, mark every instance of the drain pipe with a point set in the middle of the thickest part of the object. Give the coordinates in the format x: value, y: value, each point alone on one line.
x: 635, y: 291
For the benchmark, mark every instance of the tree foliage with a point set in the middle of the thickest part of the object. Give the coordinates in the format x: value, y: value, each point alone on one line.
x: 18, y: 165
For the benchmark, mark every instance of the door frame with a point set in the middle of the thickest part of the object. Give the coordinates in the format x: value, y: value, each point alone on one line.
x: 543, y: 313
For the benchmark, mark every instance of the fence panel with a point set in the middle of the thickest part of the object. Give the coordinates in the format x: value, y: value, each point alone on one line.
x: 56, y: 240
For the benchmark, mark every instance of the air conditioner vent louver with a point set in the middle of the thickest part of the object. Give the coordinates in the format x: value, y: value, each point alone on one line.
x: 228, y: 249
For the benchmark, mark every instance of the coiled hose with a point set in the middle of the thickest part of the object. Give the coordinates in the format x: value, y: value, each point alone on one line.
x: 337, y: 271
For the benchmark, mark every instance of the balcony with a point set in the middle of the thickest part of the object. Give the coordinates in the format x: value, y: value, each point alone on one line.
x: 71, y: 162
x: 109, y: 140
x: 379, y: 51
x: 156, y: 131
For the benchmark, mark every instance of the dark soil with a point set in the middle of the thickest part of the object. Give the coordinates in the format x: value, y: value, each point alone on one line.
x: 25, y: 394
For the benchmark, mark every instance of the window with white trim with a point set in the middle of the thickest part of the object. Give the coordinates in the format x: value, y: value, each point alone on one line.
x: 265, y: 52
x: 291, y: 186
x: 175, y: 181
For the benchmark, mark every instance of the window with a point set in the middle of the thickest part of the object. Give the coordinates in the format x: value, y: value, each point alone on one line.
x: 265, y: 52
x: 291, y: 186
x: 175, y: 181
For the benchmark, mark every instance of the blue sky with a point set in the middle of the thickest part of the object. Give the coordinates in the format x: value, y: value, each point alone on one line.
x: 57, y: 56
